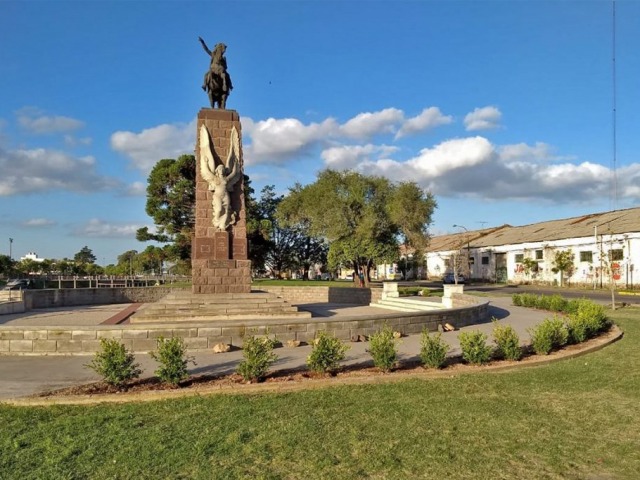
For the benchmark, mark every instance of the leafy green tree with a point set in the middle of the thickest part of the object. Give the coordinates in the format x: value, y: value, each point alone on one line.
x: 7, y: 265
x: 362, y: 217
x: 171, y: 204
x: 563, y: 262
x: 85, y: 255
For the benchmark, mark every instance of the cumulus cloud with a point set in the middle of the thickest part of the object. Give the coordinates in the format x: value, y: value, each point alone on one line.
x: 277, y: 140
x: 349, y: 156
x: 366, y: 125
x: 473, y: 167
x: 429, y: 118
x: 73, y: 141
x: 42, y: 170
x: 485, y: 118
x: 152, y: 144
x: 100, y: 229
x: 38, y: 223
x: 35, y: 121
x: 136, y: 189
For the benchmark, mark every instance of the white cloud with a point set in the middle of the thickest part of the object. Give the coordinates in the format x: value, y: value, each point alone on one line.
x: 101, y: 229
x: 153, y: 144
x: 136, y: 189
x: 35, y: 121
x: 277, y: 140
x: 38, y: 223
x: 429, y: 118
x: 485, y: 118
x: 473, y: 167
x: 72, y: 141
x: 42, y: 170
x: 349, y: 156
x: 366, y: 125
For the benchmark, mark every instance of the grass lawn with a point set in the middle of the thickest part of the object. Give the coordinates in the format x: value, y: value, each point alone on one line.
x: 575, y: 419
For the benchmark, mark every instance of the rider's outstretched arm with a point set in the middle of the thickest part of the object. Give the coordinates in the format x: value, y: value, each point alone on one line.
x: 204, y: 45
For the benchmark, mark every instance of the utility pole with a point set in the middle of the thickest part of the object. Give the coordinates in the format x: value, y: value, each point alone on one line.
x: 11, y: 249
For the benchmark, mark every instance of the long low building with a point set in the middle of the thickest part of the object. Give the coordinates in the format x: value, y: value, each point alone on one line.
x: 604, y: 247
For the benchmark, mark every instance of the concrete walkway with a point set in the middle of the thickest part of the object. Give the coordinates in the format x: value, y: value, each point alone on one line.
x: 27, y: 375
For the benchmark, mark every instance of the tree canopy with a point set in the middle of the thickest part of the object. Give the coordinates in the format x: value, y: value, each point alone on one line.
x: 363, y: 217
x: 171, y: 204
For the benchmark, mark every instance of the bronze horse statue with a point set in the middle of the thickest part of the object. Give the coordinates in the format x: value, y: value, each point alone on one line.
x: 217, y: 82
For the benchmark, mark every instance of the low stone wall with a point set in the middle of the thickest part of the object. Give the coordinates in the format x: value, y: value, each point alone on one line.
x: 7, y: 308
x: 303, y: 295
x: 73, y: 297
x: 203, y: 336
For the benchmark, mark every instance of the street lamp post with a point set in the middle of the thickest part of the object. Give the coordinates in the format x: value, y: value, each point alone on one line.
x: 468, y: 249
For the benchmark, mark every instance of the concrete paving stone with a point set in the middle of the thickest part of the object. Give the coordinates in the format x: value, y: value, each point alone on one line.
x: 20, y: 345
x: 69, y: 346
x: 59, y: 335
x: 115, y: 333
x: 42, y: 346
x: 135, y: 334
x: 4, y: 345
x: 11, y: 335
x: 83, y: 335
x: 35, y: 334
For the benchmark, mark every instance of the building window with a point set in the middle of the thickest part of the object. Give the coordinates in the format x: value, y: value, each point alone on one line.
x: 485, y: 260
x: 586, y: 256
x: 539, y: 255
x: 519, y: 257
x: 616, y: 254
x: 472, y: 261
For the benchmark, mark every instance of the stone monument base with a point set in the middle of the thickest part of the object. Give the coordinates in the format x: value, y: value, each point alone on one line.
x: 192, y: 307
x: 221, y: 276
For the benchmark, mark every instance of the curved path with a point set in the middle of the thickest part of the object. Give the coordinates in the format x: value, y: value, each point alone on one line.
x: 27, y: 375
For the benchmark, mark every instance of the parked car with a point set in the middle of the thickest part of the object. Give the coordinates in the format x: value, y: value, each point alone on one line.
x: 17, y: 284
x: 449, y: 278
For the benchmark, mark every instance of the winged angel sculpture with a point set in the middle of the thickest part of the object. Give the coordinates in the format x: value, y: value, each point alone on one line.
x: 221, y: 178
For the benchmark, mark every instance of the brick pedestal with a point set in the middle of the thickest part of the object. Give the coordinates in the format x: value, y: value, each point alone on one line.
x: 219, y: 259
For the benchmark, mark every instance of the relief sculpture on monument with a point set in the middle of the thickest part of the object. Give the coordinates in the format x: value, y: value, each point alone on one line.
x: 221, y: 178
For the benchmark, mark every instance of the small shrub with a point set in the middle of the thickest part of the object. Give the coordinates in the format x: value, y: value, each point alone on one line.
x: 114, y: 363
x: 172, y: 356
x: 556, y: 303
x: 516, y: 299
x: 433, y: 350
x: 326, y: 354
x: 474, y: 347
x: 258, y: 357
x: 587, y: 320
x: 507, y: 342
x: 551, y: 334
x: 382, y: 348
x: 425, y: 292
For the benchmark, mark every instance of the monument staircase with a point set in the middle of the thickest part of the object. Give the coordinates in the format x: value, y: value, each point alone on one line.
x: 191, y: 307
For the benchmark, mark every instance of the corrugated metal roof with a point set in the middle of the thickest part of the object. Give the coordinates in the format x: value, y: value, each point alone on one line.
x: 615, y: 222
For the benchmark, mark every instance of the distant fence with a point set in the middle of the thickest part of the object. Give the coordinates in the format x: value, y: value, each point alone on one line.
x: 103, y: 281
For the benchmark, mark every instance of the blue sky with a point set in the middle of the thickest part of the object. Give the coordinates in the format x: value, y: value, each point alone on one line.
x: 503, y: 109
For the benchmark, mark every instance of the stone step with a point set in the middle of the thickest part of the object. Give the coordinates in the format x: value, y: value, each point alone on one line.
x: 205, y: 318
x: 167, y: 310
x: 407, y: 304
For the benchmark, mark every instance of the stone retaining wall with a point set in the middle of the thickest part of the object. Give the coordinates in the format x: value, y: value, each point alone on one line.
x: 73, y: 297
x: 302, y: 295
x: 203, y: 336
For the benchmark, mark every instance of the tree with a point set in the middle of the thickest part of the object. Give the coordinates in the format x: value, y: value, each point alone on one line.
x: 362, y: 217
x: 84, y: 256
x: 171, y: 204
x: 563, y: 262
x: 7, y: 265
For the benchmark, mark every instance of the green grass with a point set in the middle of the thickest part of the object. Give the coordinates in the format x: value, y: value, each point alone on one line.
x: 571, y: 419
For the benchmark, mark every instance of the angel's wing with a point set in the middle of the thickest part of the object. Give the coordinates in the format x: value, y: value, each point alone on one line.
x: 233, y: 160
x: 206, y: 155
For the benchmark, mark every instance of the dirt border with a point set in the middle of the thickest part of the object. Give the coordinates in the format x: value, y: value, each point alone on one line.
x: 590, y: 346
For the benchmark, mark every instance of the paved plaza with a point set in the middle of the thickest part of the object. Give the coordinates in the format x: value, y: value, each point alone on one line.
x: 23, y: 375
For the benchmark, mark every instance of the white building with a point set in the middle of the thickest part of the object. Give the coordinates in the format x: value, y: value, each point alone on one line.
x: 32, y: 256
x: 605, y: 247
